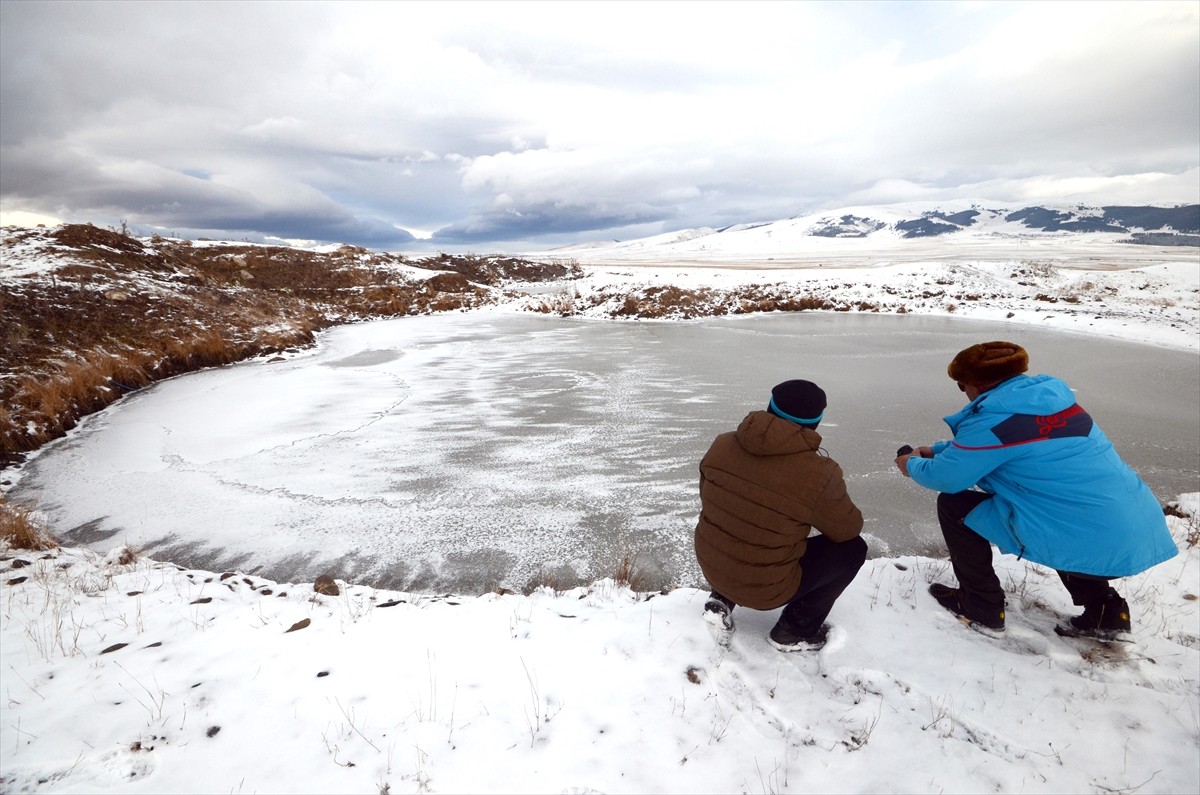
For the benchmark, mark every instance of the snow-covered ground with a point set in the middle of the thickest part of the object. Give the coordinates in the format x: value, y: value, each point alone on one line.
x: 145, y: 677
x: 1156, y: 303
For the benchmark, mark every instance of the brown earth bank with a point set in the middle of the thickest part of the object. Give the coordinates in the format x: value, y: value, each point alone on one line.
x: 88, y: 314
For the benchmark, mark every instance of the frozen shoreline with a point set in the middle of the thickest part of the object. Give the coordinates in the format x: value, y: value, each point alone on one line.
x: 1156, y: 304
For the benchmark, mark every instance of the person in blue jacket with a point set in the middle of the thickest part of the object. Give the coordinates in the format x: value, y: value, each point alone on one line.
x: 1049, y: 488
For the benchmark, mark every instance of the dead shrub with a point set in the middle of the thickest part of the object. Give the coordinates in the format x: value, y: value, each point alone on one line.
x: 42, y: 396
x: 446, y: 303
x: 7, y: 426
x: 1192, y: 539
x: 194, y: 350
x: 86, y: 235
x: 20, y: 530
x: 384, y: 300
x: 124, y: 556
x: 542, y: 579
x: 626, y: 573
x: 128, y: 370
x: 448, y: 283
x: 804, y: 303
x: 212, y: 347
x: 83, y: 385
x: 326, y: 585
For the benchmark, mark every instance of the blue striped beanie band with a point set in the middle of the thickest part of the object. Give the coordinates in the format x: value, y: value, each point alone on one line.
x: 802, y: 402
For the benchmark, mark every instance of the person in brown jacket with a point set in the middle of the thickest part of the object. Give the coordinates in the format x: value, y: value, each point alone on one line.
x: 763, y: 489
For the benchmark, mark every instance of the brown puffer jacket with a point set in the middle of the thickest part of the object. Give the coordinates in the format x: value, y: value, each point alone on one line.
x: 762, y: 489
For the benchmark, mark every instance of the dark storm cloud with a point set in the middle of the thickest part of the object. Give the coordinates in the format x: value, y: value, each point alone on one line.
x: 547, y: 220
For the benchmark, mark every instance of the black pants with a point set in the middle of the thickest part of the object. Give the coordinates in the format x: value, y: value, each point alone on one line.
x: 971, y: 558
x: 828, y: 568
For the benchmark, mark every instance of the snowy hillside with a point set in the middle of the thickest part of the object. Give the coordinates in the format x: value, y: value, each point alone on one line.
x: 907, y: 232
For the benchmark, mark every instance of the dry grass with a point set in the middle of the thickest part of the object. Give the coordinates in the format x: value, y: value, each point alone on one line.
x: 669, y: 301
x: 1193, y: 523
x: 626, y: 573
x: 20, y: 530
x: 51, y: 401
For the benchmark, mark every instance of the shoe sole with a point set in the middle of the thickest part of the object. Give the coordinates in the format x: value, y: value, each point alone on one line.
x: 722, y: 621
x: 720, y: 627
x: 1100, y: 635
x: 796, y: 647
x: 982, y: 629
x: 939, y: 592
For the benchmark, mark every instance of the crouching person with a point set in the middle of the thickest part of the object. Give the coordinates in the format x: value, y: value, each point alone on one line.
x: 1051, y: 489
x: 763, y: 489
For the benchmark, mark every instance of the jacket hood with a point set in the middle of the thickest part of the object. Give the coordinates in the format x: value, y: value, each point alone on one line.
x: 1038, y: 395
x: 762, y: 433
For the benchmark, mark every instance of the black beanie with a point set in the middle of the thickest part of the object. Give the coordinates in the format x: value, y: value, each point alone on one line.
x: 802, y: 402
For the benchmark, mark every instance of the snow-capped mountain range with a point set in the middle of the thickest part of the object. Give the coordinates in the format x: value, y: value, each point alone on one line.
x: 915, y: 228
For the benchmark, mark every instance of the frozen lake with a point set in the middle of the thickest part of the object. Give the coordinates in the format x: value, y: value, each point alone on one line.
x: 463, y: 452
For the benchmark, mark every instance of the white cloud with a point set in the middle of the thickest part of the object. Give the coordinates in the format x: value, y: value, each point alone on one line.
x: 421, y: 115
x: 22, y: 218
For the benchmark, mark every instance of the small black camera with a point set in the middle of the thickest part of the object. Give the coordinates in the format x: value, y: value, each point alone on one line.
x: 905, y: 450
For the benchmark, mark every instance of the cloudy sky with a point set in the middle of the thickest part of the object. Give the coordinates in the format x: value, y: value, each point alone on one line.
x: 507, y: 126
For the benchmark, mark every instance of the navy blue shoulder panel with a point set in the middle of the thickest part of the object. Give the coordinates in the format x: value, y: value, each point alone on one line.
x: 1023, y: 428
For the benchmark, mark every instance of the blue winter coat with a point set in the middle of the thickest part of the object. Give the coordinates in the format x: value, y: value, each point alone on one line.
x: 1063, y: 497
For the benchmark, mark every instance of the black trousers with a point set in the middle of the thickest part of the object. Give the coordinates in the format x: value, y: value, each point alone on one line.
x: 829, y: 568
x: 971, y: 558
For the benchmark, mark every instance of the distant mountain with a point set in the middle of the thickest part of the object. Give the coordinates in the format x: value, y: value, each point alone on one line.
x: 965, y: 225
x: 1171, y: 225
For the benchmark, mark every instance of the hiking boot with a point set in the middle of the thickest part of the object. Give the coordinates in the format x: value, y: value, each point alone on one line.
x: 786, y: 640
x: 1107, y: 618
x: 718, y: 611
x: 951, y: 599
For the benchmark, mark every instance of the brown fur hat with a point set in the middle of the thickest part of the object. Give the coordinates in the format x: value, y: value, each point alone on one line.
x: 988, y: 363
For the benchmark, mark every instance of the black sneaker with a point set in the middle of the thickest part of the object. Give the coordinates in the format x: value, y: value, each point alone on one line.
x: 951, y: 599
x: 718, y: 611
x: 786, y: 640
x: 1106, y: 619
